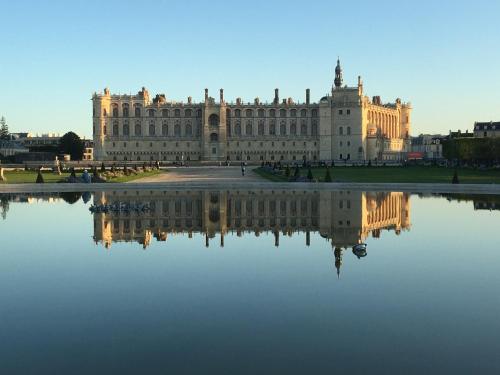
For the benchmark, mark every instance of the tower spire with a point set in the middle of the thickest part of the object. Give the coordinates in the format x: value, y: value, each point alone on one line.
x: 338, y: 75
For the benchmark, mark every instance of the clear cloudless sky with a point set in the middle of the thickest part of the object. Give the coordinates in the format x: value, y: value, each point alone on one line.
x: 442, y: 56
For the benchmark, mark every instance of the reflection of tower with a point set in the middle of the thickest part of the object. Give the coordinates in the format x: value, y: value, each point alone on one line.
x: 338, y: 259
x: 102, y: 226
x: 214, y: 213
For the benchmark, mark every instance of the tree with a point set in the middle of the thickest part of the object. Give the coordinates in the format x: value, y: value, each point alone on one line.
x: 71, y: 143
x: 4, y: 129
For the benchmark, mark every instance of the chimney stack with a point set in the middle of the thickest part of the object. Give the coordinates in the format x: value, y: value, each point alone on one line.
x: 308, y: 96
x: 276, y: 96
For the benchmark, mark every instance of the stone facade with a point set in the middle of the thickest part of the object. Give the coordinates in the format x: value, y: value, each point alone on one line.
x: 345, y: 125
x: 487, y: 129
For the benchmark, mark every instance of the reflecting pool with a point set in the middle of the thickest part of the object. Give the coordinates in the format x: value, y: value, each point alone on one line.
x: 249, y: 281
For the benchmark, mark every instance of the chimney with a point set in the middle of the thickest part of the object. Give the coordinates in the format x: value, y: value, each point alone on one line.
x: 308, y: 96
x: 276, y: 96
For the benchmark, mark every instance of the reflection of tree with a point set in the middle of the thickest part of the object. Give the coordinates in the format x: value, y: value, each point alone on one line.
x: 4, y: 204
x: 70, y: 197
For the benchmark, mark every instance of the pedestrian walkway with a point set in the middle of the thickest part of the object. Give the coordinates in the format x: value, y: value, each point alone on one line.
x: 203, y: 174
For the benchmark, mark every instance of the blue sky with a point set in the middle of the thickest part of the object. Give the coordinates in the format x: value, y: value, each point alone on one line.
x: 442, y: 56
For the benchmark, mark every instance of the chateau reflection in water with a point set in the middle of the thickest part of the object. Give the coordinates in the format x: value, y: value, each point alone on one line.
x: 345, y: 218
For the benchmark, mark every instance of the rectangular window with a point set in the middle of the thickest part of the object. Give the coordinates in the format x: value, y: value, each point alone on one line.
x: 348, y: 112
x: 214, y: 150
x: 340, y: 111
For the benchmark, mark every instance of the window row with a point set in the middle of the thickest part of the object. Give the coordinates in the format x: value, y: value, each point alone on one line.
x: 272, y: 129
x: 270, y: 113
x: 165, y: 130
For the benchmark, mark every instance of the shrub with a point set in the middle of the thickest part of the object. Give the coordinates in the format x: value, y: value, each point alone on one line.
x: 455, y: 178
x: 103, y: 167
x: 297, y: 171
x: 39, y: 177
x: 309, y: 174
x: 328, y: 176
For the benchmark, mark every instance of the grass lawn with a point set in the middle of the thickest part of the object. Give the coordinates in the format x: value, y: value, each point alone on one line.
x: 395, y: 174
x: 23, y: 177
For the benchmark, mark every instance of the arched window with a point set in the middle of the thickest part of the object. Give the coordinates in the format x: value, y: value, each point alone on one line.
x: 282, y: 112
x: 115, y: 110
x: 314, y: 127
x: 177, y: 113
x: 189, y: 129
x: 237, y: 113
x: 228, y: 115
x: 177, y: 130
x: 125, y: 110
x: 314, y: 113
x: 188, y: 113
x: 272, y: 113
x: 293, y: 113
x: 249, y: 113
x: 261, y: 127
x: 282, y: 128
x: 237, y: 128
x: 213, y: 120
x: 348, y: 130
x: 104, y: 113
x: 261, y: 113
x: 248, y: 129
x: 138, y: 128
x: 293, y: 128
x: 151, y: 112
x: 272, y: 127
x: 115, y: 128
x: 198, y: 113
x: 164, y: 113
x: 341, y: 131
x: 126, y: 129
x: 303, y: 128
x: 164, y: 129
x: 214, y: 137
x: 152, y: 128
x: 303, y: 113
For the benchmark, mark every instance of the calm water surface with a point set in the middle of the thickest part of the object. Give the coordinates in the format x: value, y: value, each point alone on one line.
x: 249, y: 282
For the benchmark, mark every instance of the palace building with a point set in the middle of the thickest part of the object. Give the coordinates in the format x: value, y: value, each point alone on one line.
x: 344, y: 125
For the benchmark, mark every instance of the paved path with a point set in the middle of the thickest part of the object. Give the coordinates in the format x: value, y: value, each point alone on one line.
x: 208, y: 174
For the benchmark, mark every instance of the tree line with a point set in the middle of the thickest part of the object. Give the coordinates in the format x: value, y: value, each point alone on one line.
x: 483, y: 150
